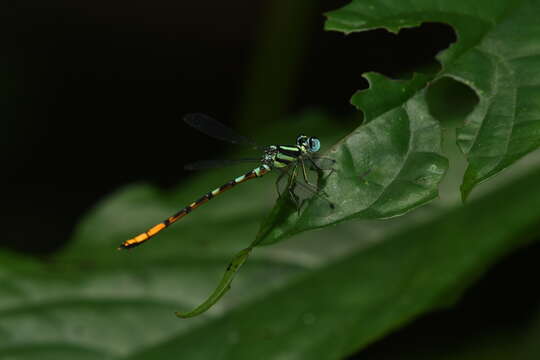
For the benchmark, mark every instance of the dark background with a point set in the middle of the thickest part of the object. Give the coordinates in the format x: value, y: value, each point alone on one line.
x: 93, y: 94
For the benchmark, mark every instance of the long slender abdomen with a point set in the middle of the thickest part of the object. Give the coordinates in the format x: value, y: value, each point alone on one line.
x: 142, y: 237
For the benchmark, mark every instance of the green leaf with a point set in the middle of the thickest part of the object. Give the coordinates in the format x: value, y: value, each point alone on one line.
x: 497, y: 54
x: 384, y: 94
x: 383, y: 169
x: 503, y: 70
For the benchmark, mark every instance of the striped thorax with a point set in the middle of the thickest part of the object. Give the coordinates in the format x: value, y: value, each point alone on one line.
x: 280, y: 156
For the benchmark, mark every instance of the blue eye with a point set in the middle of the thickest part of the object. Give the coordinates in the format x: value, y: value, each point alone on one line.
x: 314, y: 144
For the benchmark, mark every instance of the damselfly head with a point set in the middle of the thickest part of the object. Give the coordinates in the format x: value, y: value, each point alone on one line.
x: 310, y: 143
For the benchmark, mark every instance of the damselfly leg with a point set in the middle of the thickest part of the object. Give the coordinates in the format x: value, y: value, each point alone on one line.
x: 293, y: 182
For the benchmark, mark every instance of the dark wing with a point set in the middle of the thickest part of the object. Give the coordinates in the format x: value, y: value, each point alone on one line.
x: 215, y: 129
x: 212, y: 164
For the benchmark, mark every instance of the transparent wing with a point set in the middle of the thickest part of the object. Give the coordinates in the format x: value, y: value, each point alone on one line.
x: 217, y: 130
x: 212, y: 164
x: 300, y: 189
x: 320, y: 163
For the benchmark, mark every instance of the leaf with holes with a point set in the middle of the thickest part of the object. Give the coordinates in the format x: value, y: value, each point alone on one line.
x: 497, y: 54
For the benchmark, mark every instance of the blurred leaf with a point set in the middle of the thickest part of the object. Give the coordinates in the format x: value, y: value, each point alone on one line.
x: 322, y: 295
x: 370, y: 278
x: 334, y: 310
x: 492, y: 55
x: 301, y: 301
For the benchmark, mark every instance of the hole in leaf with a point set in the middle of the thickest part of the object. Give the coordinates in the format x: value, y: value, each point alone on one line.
x: 450, y: 101
x: 411, y: 50
x: 346, y: 58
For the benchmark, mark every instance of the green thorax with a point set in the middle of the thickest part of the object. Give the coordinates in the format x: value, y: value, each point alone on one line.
x: 280, y: 156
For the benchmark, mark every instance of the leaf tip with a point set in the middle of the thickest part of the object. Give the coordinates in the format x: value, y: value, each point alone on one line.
x: 465, y: 192
x: 468, y: 183
x: 223, y: 286
x: 183, y: 315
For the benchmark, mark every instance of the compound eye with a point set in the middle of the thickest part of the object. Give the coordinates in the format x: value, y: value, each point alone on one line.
x: 314, y: 144
x: 301, y: 139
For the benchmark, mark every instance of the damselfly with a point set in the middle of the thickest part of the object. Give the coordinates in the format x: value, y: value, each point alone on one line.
x: 287, y: 159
